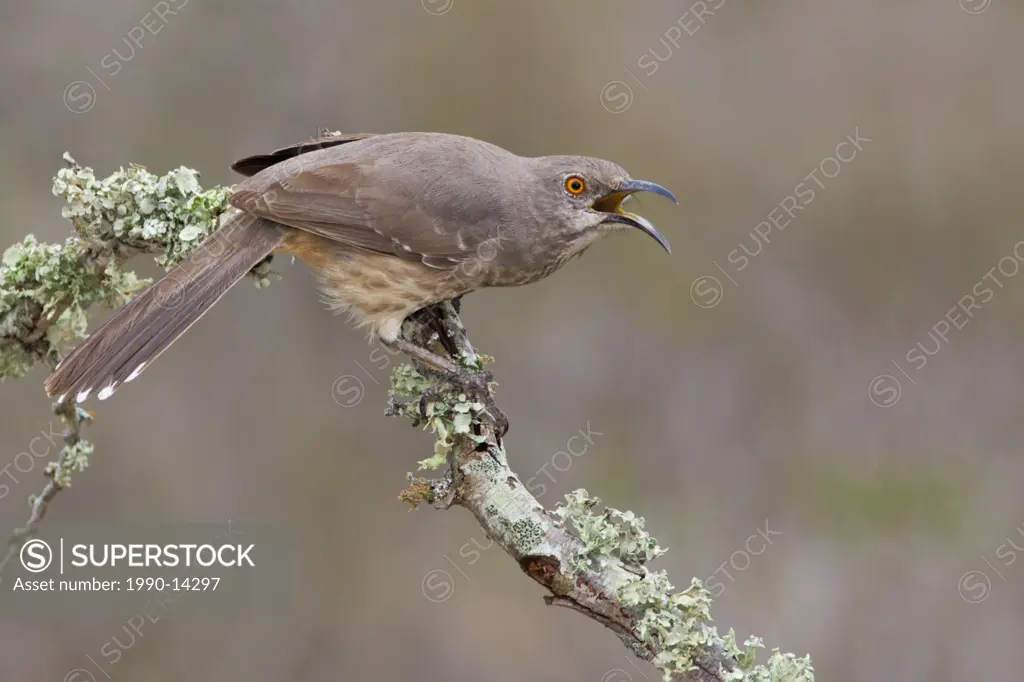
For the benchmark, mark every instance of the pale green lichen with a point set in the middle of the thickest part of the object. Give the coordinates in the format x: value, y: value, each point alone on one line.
x: 47, y: 289
x: 678, y: 624
x: 128, y: 210
x: 609, y: 533
x: 74, y: 456
x: 477, y: 362
x: 37, y: 280
x: 449, y: 415
x: 132, y: 206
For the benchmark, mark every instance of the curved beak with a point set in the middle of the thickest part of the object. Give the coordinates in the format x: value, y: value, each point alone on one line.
x: 610, y: 206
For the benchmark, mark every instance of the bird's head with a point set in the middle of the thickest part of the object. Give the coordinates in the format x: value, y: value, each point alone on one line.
x: 586, y: 196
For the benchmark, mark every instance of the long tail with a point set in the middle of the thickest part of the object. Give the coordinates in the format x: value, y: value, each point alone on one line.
x: 119, y: 350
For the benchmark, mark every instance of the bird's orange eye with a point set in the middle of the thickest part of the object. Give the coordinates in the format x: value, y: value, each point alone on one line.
x: 574, y: 185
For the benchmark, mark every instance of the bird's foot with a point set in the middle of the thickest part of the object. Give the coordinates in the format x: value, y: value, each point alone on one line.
x: 468, y: 381
x: 478, y: 385
x: 430, y: 395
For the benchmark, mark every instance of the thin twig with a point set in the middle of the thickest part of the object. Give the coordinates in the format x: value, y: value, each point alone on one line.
x: 73, y: 417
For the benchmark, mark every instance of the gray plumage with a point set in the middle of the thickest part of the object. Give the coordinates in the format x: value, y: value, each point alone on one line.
x: 391, y: 223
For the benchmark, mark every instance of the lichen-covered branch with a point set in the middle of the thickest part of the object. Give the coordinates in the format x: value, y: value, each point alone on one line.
x: 74, y: 456
x: 592, y: 559
x: 47, y: 289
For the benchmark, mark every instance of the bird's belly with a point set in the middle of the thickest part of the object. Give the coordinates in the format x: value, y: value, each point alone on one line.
x: 378, y: 290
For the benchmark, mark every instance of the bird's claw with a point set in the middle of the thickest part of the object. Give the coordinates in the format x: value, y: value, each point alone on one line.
x: 477, y: 383
x: 428, y: 396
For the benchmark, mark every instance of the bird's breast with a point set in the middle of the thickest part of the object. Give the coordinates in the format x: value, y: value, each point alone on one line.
x: 374, y: 286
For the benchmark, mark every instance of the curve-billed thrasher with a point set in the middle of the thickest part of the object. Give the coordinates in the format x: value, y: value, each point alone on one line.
x: 391, y: 223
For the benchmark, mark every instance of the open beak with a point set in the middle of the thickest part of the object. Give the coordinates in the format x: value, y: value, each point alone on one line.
x: 610, y: 206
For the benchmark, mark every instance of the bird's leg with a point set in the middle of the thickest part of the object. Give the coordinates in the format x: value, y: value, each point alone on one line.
x: 424, y: 356
x: 431, y: 317
x: 479, y: 381
x: 478, y: 384
x: 472, y: 383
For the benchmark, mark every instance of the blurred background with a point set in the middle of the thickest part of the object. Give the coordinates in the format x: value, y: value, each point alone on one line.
x: 787, y: 395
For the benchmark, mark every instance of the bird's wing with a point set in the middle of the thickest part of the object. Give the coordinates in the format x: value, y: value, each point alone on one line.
x: 251, y: 165
x: 405, y: 201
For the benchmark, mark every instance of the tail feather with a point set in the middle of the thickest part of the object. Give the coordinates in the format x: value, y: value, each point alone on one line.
x: 137, y: 334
